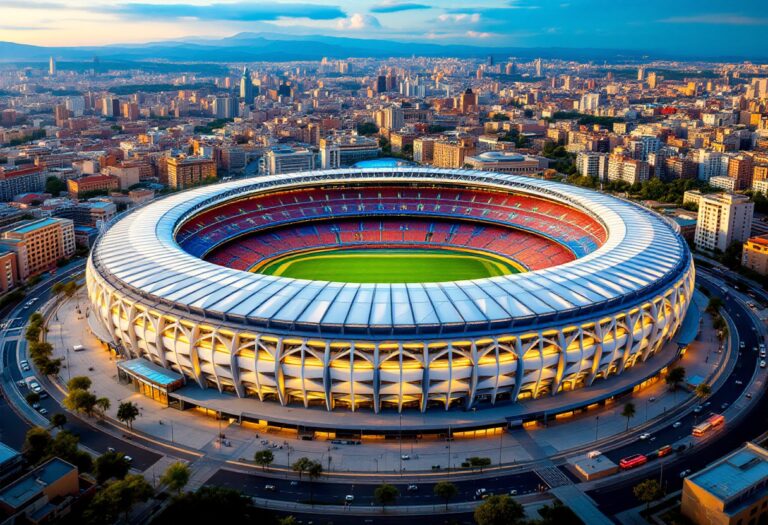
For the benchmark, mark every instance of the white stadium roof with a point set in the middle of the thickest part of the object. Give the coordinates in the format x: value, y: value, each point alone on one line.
x: 139, y: 256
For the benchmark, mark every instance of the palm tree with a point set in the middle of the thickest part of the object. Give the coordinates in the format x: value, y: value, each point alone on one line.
x: 127, y: 412
x: 264, y: 458
x: 629, y: 412
x: 675, y: 377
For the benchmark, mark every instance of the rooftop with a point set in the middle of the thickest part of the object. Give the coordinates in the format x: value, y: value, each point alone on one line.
x: 735, y: 474
x: 28, y: 487
x: 34, y: 225
x: 7, y: 452
x: 149, y: 371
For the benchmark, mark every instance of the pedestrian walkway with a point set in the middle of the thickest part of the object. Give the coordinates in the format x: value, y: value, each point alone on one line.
x: 581, y: 504
x: 194, y: 430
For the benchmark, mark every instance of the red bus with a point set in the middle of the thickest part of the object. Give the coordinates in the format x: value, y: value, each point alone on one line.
x: 715, y: 420
x: 663, y: 451
x: 633, y: 461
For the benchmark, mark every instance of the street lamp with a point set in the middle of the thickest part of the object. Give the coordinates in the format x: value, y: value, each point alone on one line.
x: 597, y: 426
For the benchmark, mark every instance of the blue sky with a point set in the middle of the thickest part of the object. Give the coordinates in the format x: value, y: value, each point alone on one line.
x: 706, y: 27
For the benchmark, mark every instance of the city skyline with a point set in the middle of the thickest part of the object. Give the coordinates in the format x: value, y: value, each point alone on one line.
x: 688, y: 28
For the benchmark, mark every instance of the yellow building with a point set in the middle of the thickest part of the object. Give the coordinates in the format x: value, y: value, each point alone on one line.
x: 184, y: 172
x: 451, y: 154
x: 730, y: 491
x: 38, y: 245
x: 755, y: 254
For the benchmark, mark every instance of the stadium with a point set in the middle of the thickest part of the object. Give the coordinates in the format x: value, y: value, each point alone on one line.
x: 392, y: 288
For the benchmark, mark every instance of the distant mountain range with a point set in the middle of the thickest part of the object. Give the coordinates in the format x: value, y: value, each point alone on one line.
x: 273, y: 47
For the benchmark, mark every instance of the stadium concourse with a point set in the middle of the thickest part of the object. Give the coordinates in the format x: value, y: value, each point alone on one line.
x: 593, y: 311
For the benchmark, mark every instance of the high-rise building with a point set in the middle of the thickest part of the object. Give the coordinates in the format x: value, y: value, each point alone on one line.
x: 184, y: 172
x: 39, y: 244
x: 589, y: 102
x: 75, y: 105
x: 641, y: 73
x: 423, y: 150
x: 652, y: 81
x: 537, y: 66
x: 741, y: 168
x: 724, y: 218
x: 393, y: 118
x: 23, y: 180
x: 451, y: 154
x: 467, y: 101
x: 52, y: 67
x: 627, y: 169
x: 592, y: 164
x: 381, y: 84
x: 224, y: 107
x: 246, y: 86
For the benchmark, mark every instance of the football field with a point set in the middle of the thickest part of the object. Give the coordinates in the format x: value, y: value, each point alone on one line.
x: 389, y: 266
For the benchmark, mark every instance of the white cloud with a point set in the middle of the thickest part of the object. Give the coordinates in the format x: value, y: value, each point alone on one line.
x: 479, y: 34
x: 358, y: 22
x: 460, y: 18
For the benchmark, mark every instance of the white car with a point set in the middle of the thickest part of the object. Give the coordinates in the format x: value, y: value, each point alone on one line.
x: 35, y: 387
x: 685, y: 473
x: 349, y: 498
x: 270, y: 488
x: 513, y: 492
x: 741, y: 344
x: 405, y: 457
x: 644, y: 436
x: 677, y: 424
x: 593, y: 454
x: 480, y: 492
x: 412, y: 488
x: 762, y: 363
x: 43, y: 411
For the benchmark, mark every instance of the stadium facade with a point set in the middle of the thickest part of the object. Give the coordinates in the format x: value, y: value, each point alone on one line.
x: 158, y: 281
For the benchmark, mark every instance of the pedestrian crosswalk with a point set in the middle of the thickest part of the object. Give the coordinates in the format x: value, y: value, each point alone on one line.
x: 553, y: 477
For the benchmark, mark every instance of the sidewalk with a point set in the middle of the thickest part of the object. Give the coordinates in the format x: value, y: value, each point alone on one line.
x: 198, y: 432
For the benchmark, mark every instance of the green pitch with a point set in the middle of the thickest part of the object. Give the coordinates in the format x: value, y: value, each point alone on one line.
x: 389, y: 266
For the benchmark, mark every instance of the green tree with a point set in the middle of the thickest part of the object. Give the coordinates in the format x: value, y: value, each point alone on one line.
x: 65, y: 446
x: 37, y: 443
x: 80, y: 401
x: 118, y: 497
x: 385, y: 494
x: 264, y: 458
x: 702, y: 390
x: 628, y: 412
x: 213, y: 505
x: 446, y: 491
x: 176, y: 476
x: 478, y: 462
x: 103, y: 404
x: 287, y: 520
x: 675, y: 376
x: 647, y: 491
x: 111, y: 465
x: 50, y: 367
x: 301, y: 465
x: 127, y: 412
x: 55, y: 186
x: 58, y: 420
x: 79, y: 383
x: 499, y: 510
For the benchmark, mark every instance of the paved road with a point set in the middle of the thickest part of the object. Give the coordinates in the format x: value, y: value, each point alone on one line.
x: 334, y: 493
x: 12, y: 428
x: 619, y: 496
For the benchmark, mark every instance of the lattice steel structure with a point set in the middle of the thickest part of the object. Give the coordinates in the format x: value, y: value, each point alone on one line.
x: 392, y: 345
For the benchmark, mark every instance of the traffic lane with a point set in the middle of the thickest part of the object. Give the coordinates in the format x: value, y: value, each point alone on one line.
x: 729, y: 393
x: 619, y: 496
x: 335, y: 493
x: 13, y: 429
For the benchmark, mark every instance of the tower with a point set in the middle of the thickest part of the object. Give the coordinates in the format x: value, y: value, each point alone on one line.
x: 52, y: 67
x: 246, y: 86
